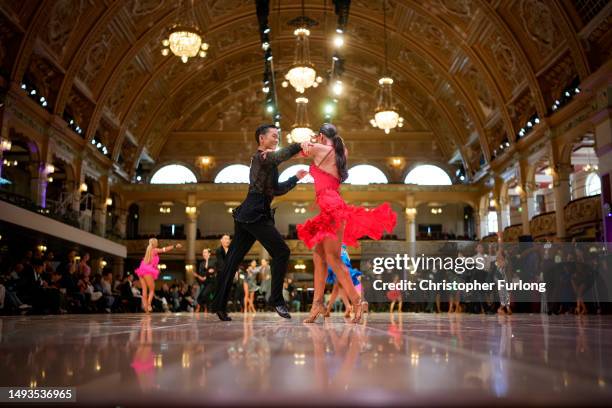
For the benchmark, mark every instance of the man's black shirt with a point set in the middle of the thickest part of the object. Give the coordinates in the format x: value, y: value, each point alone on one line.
x: 264, y: 185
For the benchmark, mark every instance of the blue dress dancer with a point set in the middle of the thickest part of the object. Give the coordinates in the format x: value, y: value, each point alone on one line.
x: 337, y: 289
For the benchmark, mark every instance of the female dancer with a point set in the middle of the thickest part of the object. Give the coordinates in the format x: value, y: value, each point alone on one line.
x: 337, y: 221
x: 250, y: 287
x: 148, y: 272
x: 337, y: 289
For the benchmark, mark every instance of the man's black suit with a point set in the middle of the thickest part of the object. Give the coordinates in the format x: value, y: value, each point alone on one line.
x: 254, y: 221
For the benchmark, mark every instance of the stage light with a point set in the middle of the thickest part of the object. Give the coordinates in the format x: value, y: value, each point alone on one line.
x: 338, y: 41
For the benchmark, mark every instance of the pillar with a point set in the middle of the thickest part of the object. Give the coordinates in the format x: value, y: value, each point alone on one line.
x: 526, y: 189
x: 497, y: 196
x: 410, y: 218
x: 38, y: 183
x: 118, y: 268
x: 561, y: 190
x: 120, y: 227
x: 191, y: 212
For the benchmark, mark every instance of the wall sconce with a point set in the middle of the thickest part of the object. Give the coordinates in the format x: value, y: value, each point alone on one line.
x: 189, y: 268
x: 5, y: 145
x: 191, y: 210
x: 83, y: 187
x: 300, y: 266
x: 49, y: 168
x: 205, y: 161
x: 161, y: 267
x: 300, y: 210
x: 396, y: 162
x: 165, y: 210
x: 41, y: 248
x: 49, y: 179
x: 109, y: 202
x: 103, y: 263
x: 436, y: 211
x: 411, y: 211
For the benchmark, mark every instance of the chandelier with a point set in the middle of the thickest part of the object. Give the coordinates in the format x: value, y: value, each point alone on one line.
x: 302, y: 74
x: 185, y: 41
x: 386, y: 116
x: 301, y: 131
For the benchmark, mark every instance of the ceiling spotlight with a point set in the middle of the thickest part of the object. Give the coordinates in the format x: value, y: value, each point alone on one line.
x: 266, y: 89
x: 267, y: 30
x: 338, y: 41
x: 270, y: 108
x: 339, y: 30
x: 337, y: 88
x: 285, y: 84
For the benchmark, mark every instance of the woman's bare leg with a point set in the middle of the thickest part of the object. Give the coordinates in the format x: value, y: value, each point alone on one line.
x: 245, y: 288
x: 345, y: 300
x: 252, y: 301
x: 320, y: 272
x: 332, y: 248
x: 145, y: 292
x: 151, y: 286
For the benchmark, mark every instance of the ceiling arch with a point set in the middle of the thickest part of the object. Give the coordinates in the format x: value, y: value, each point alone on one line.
x: 480, y: 66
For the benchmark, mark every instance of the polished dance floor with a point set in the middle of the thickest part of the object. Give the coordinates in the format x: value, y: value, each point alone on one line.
x: 410, y: 359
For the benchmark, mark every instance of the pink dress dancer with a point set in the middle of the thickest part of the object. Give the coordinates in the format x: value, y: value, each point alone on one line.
x: 149, y: 268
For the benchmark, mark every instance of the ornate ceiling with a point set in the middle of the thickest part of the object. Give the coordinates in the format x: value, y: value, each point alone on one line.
x: 469, y: 72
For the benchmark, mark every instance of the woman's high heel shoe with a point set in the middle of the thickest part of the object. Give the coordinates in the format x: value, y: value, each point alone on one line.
x: 359, y: 308
x: 318, y: 308
x: 347, y: 313
x: 327, y: 312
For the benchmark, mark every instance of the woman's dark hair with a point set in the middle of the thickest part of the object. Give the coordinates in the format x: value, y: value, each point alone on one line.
x: 262, y: 130
x: 331, y: 133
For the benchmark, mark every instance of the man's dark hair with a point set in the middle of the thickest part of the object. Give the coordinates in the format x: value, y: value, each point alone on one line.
x: 262, y: 130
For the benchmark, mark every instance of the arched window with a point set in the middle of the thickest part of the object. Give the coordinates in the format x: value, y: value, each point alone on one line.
x: 593, y: 184
x: 235, y: 173
x: 173, y: 174
x: 363, y: 174
x: 290, y: 171
x: 492, y: 222
x: 428, y: 175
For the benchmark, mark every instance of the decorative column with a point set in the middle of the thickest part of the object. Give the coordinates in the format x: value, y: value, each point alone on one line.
x: 498, y: 203
x: 526, y: 190
x: 410, y: 214
x: 120, y: 227
x: 100, y: 207
x: 191, y: 211
x: 118, y: 267
x: 561, y: 190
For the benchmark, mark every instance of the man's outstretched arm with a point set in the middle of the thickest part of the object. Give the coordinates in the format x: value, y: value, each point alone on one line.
x: 282, y: 155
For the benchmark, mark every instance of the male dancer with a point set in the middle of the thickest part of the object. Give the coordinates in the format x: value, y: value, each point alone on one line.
x: 254, y: 219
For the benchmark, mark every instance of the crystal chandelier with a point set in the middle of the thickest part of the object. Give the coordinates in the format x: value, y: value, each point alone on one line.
x: 386, y: 116
x: 302, y: 75
x: 185, y: 41
x: 301, y: 131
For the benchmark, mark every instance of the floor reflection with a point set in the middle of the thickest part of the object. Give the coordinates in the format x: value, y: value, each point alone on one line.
x: 393, y: 357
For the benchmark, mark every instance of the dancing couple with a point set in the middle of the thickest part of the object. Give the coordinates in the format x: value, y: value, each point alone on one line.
x: 337, y: 222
